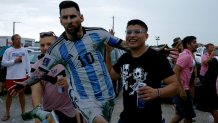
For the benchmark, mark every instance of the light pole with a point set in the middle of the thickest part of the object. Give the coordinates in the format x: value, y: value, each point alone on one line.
x: 113, y: 23
x: 14, y: 22
x: 157, y: 39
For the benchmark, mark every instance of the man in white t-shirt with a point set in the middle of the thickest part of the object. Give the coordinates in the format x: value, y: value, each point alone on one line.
x: 16, y: 59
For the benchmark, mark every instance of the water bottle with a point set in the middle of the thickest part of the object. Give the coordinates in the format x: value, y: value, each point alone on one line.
x: 140, y: 102
x: 60, y: 89
x: 55, y: 117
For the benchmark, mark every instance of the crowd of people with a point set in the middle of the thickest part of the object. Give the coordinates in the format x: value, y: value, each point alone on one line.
x: 72, y: 79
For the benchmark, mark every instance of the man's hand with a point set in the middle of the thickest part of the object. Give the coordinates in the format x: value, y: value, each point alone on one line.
x: 61, y: 82
x: 18, y: 59
x: 147, y: 93
x: 111, y: 31
x: 182, y: 94
x: 171, y: 52
x: 16, y: 88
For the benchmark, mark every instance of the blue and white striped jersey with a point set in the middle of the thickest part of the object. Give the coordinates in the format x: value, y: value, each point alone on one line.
x: 83, y: 59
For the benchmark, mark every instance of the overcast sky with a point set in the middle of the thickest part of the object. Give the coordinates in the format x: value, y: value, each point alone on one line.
x: 165, y: 18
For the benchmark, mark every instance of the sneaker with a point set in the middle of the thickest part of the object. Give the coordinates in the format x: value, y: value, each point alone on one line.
x: 108, y: 109
x: 5, y: 118
x: 37, y: 112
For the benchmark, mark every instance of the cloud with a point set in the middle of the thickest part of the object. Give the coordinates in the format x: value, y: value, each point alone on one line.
x: 167, y: 19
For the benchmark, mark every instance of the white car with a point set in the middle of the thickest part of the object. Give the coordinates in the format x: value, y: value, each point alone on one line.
x: 199, y: 53
x: 33, y: 49
x: 34, y: 56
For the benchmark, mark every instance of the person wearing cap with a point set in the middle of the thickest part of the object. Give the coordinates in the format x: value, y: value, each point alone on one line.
x: 177, y: 44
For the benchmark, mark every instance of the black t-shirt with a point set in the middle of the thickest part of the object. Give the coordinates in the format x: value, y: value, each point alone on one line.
x: 150, y: 68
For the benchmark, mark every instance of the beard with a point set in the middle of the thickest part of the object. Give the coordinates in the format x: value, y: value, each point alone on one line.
x: 194, y: 50
x: 16, y: 43
x: 73, y: 30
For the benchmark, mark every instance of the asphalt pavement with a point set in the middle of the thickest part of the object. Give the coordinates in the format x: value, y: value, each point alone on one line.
x: 168, y: 111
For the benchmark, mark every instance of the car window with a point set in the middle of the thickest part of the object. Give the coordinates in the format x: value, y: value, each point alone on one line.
x: 33, y: 57
x: 205, y: 50
x: 216, y: 52
x: 198, y: 50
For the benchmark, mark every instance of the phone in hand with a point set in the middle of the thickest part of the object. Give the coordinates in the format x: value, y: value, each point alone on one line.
x: 20, y: 59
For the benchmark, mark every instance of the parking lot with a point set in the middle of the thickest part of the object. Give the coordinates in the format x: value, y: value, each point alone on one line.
x: 168, y: 111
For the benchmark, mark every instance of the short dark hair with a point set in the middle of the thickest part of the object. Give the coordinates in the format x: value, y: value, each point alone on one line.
x: 68, y: 4
x: 137, y: 22
x: 209, y: 44
x: 13, y: 36
x: 187, y: 40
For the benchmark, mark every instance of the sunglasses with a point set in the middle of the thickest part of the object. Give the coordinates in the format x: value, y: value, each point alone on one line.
x: 135, y: 32
x: 45, y: 34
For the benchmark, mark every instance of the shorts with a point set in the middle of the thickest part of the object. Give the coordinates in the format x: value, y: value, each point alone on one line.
x: 10, y: 83
x: 92, y: 108
x: 64, y: 118
x: 185, y: 108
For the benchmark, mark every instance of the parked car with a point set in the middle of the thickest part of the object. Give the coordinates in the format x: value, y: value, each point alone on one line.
x: 34, y: 56
x: 31, y: 49
x: 199, y: 53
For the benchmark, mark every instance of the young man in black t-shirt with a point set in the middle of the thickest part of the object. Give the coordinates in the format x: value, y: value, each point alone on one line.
x: 142, y: 65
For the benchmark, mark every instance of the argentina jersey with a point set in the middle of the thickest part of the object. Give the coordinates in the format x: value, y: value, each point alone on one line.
x: 87, y: 75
